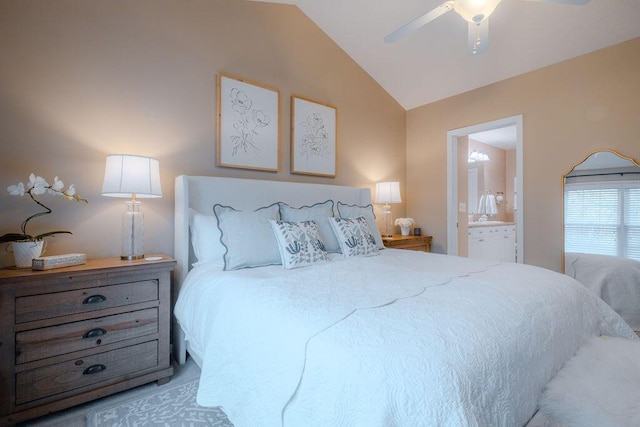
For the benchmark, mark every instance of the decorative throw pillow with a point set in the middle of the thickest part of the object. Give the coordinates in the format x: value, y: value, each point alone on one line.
x: 300, y: 243
x: 320, y: 213
x: 355, y: 211
x: 247, y: 236
x: 354, y: 236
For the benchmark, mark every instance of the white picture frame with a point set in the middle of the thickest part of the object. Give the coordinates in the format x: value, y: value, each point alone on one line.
x: 313, y: 137
x: 248, y: 133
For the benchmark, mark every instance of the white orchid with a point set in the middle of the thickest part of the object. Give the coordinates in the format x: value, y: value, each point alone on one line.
x: 404, y: 222
x: 37, y: 186
x: 16, y: 190
x: 70, y: 193
x: 56, y: 188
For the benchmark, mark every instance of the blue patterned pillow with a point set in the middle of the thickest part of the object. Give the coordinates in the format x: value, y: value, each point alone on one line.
x: 354, y: 211
x: 299, y: 243
x: 354, y: 236
x: 320, y: 213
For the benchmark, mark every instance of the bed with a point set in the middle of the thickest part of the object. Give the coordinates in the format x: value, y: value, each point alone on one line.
x: 382, y: 338
x: 614, y: 279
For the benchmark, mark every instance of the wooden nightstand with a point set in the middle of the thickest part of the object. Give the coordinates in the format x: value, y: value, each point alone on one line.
x: 413, y: 243
x: 74, y: 334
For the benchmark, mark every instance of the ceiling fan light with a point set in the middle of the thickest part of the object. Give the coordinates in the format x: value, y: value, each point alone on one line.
x: 475, y: 10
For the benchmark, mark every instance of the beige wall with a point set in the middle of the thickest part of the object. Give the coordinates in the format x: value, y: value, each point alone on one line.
x: 80, y: 79
x: 569, y: 109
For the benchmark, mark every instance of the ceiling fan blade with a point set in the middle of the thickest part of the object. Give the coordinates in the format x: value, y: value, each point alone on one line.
x: 420, y: 21
x: 478, y: 37
x: 574, y: 2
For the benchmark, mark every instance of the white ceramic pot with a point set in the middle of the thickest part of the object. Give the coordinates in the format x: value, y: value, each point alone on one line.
x: 404, y: 230
x: 25, y: 252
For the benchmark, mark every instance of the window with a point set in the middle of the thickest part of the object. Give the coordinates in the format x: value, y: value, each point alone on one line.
x: 632, y: 222
x: 603, y: 218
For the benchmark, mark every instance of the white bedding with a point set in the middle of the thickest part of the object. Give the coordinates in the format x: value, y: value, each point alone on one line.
x: 400, y: 339
x: 614, y: 279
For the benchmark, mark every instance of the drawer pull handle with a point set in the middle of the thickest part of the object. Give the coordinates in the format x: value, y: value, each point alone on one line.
x: 94, y: 299
x: 94, y: 333
x: 94, y: 369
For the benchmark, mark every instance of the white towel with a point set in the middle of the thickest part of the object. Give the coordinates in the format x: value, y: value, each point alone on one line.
x: 492, y: 207
x: 482, y: 207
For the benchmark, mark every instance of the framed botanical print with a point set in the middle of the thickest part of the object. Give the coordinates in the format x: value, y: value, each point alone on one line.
x: 248, y: 130
x: 313, y: 137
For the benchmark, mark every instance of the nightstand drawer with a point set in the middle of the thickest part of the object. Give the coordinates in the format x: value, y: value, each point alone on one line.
x: 62, y: 339
x: 58, y: 304
x: 413, y: 243
x: 62, y: 377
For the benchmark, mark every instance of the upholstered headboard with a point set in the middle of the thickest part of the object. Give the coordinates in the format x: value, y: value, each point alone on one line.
x: 200, y: 193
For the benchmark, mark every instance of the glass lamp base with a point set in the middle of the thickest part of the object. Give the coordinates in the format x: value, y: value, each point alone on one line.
x: 386, y: 212
x: 132, y: 232
x: 131, y: 257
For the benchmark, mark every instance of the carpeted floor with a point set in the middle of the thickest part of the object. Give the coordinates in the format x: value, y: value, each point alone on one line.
x: 172, y: 404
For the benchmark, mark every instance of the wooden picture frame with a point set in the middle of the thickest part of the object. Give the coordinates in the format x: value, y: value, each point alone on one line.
x: 248, y: 134
x: 313, y: 137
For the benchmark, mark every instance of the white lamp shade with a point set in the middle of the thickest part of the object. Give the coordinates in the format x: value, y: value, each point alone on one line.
x: 388, y: 192
x: 127, y: 175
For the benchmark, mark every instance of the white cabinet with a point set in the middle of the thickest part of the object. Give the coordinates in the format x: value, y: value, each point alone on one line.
x: 497, y: 243
x: 509, y: 243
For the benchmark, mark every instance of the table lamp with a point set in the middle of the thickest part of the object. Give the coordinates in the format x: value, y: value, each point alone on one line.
x: 387, y: 192
x: 136, y: 177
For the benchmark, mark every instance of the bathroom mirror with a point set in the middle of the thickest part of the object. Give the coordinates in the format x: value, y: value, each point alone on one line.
x: 475, y: 187
x: 601, y: 206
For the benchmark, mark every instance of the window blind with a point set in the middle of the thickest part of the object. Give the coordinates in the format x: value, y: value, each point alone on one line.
x: 632, y: 222
x: 603, y: 218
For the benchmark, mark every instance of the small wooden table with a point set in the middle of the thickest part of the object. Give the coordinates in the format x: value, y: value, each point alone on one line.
x: 413, y: 243
x: 74, y: 334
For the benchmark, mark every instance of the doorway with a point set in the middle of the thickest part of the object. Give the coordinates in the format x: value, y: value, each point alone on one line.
x: 457, y: 204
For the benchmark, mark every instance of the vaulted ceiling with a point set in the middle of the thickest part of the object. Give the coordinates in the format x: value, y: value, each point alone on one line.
x: 432, y: 62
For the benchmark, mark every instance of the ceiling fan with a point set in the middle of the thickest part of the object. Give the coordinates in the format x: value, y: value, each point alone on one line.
x: 476, y: 12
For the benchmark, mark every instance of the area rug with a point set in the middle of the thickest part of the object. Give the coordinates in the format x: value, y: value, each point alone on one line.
x: 598, y: 387
x: 172, y: 407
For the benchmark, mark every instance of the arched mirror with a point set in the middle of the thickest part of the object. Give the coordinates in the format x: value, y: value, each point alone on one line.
x: 601, y: 229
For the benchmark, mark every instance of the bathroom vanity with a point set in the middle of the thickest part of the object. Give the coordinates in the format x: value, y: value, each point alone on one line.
x: 492, y: 240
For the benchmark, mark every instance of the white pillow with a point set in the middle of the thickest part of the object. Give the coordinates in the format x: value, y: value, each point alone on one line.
x: 247, y: 236
x: 320, y: 213
x: 354, y: 236
x: 354, y: 211
x: 205, y: 239
x: 300, y: 243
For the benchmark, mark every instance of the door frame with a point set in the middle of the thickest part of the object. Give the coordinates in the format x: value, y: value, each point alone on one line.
x: 452, y: 180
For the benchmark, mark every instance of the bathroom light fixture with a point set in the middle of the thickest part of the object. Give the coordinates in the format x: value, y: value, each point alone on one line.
x: 132, y: 176
x: 387, y: 192
x: 478, y: 156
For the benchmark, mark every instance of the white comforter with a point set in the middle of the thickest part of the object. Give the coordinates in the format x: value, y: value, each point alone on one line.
x: 400, y: 339
x: 614, y: 279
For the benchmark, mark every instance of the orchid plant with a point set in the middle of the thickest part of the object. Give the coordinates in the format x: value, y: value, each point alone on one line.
x: 404, y: 222
x: 38, y: 186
